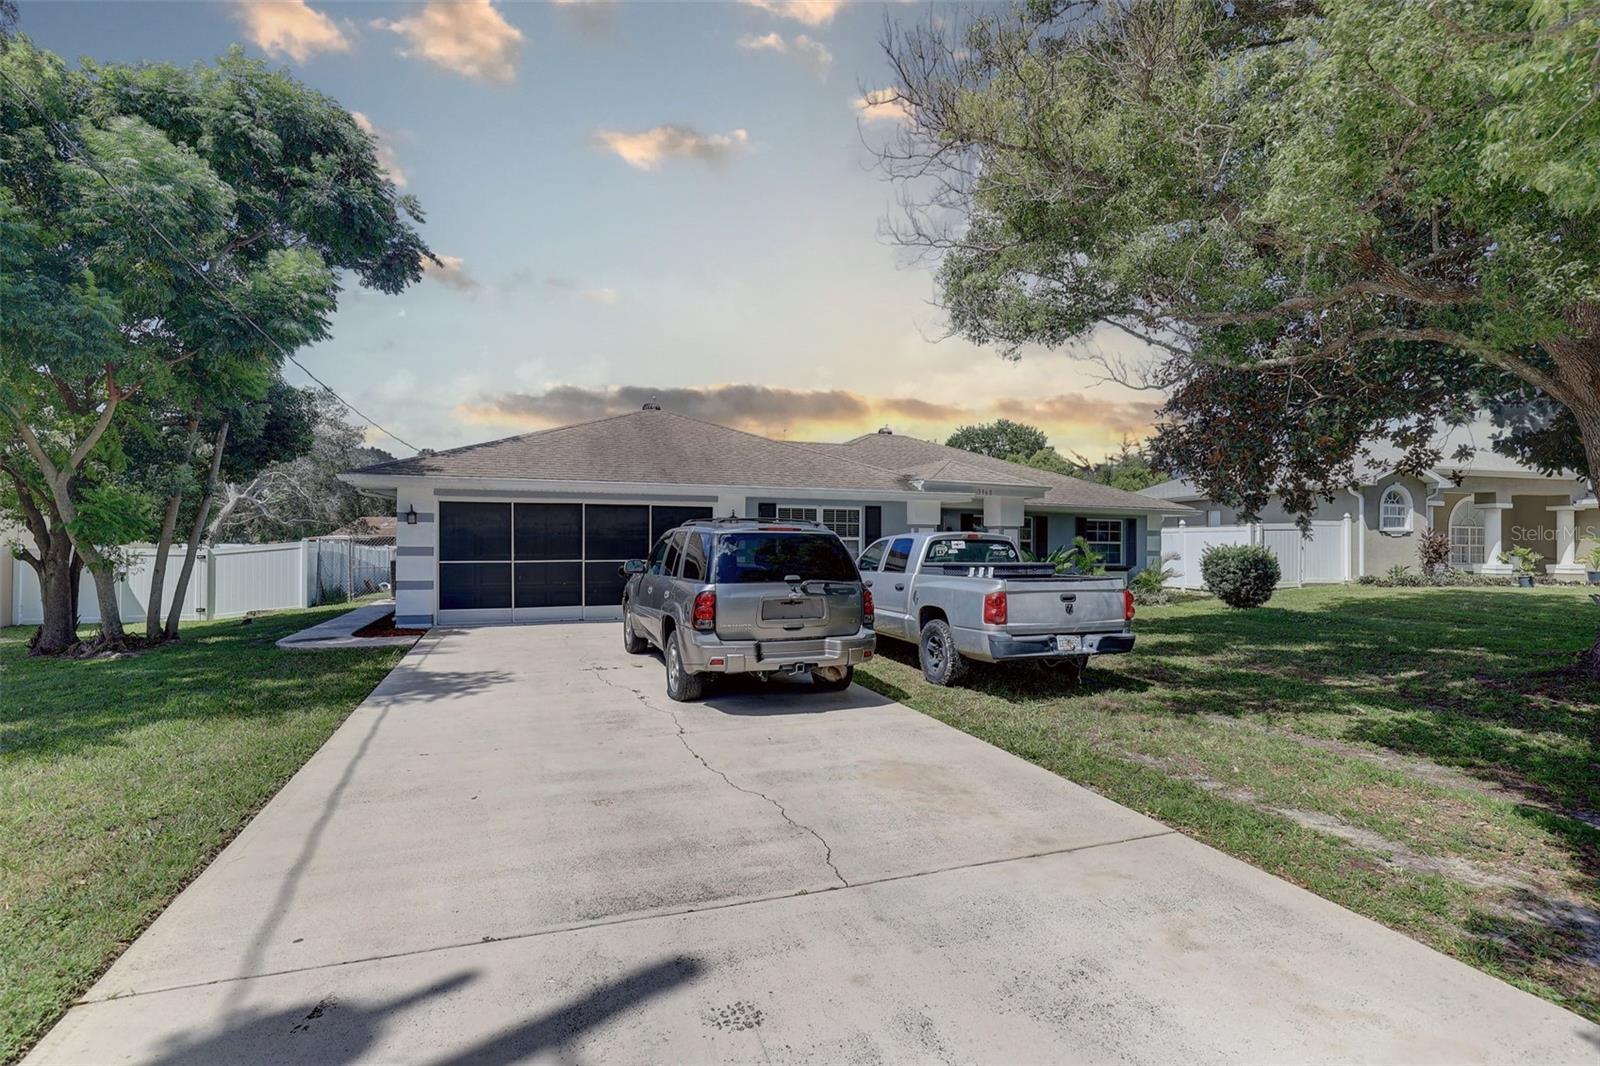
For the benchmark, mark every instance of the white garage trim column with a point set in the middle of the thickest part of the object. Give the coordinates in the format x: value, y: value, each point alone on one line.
x: 1494, y: 534
x: 416, y: 546
x: 1566, y: 567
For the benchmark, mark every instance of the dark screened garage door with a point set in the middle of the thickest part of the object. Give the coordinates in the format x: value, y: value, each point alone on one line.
x: 543, y: 559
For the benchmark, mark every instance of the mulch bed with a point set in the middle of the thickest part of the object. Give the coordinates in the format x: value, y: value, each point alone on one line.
x: 385, y: 627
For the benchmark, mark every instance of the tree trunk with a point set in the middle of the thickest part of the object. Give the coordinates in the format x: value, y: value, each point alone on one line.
x: 1587, y: 414
x: 105, y: 593
x: 58, y: 631
x: 169, y: 523
x: 195, y: 532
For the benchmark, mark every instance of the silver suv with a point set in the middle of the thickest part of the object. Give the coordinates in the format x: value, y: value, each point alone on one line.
x: 741, y: 596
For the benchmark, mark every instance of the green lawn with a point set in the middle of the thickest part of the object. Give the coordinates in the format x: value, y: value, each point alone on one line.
x: 1417, y: 755
x: 120, y: 778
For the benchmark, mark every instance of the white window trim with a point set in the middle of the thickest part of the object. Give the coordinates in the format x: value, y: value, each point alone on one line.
x: 1411, y: 509
x: 1121, y: 542
x: 1025, y: 534
x: 856, y: 544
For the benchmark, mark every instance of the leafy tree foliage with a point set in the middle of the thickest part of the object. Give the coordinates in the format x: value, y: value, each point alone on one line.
x: 155, y: 222
x: 999, y: 439
x: 1334, y: 222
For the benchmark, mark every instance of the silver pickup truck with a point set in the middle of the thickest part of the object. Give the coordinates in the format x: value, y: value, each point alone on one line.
x: 966, y: 596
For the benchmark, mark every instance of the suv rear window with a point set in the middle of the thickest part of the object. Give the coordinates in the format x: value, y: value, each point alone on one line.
x: 767, y: 558
x: 961, y: 550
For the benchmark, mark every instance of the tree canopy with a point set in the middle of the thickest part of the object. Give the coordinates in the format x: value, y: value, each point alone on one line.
x: 999, y: 439
x: 1332, y: 222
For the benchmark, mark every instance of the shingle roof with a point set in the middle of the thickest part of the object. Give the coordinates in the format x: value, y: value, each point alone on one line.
x: 895, y: 452
x: 648, y: 447
x: 661, y: 447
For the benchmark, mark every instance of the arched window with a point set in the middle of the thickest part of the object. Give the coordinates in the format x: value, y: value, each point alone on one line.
x: 1394, y: 510
x: 1466, y: 534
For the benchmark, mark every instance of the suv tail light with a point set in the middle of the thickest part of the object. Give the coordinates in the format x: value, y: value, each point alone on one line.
x: 705, y: 611
x: 994, y: 609
x: 866, y: 607
x: 1127, y: 605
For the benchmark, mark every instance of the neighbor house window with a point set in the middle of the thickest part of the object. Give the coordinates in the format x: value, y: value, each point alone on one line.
x: 1466, y: 535
x: 1105, y: 537
x: 1394, y: 510
x: 1213, y: 517
x: 844, y: 521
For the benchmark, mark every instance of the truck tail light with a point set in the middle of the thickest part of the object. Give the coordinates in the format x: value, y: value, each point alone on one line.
x: 866, y: 606
x: 994, y: 609
x: 1127, y: 605
x: 705, y: 611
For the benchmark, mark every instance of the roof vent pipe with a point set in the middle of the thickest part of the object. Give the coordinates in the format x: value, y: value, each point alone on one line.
x: 651, y: 406
x: 885, y: 432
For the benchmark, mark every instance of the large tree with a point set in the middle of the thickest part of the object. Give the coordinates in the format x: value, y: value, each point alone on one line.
x: 171, y: 232
x: 999, y: 439
x: 1330, y: 221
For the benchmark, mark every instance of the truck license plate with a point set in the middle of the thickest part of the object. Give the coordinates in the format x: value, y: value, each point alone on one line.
x: 1068, y: 644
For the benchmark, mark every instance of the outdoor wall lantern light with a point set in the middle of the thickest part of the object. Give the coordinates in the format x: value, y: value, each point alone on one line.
x: 411, y: 516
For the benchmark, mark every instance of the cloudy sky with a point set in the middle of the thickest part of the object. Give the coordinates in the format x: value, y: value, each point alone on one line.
x: 631, y: 200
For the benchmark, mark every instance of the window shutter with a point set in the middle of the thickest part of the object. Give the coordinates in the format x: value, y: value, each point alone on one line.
x: 1130, y: 536
x: 767, y: 512
x: 872, y: 524
x: 1080, y: 526
x: 1041, y: 535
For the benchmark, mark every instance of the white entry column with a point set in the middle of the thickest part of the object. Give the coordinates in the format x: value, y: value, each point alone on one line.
x: 1566, y: 567
x: 1494, y: 536
x: 1003, y: 514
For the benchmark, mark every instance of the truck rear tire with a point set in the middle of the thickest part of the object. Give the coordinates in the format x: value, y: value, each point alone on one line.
x: 847, y: 674
x: 942, y: 664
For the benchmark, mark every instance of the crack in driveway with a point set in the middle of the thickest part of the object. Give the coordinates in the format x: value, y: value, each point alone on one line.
x: 683, y: 738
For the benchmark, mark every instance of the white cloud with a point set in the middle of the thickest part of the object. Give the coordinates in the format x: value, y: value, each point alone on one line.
x: 467, y: 37
x: 388, y: 162
x: 807, y: 12
x: 809, y: 53
x: 599, y: 296
x: 451, y: 272
x: 645, y: 149
x: 882, y: 105
x: 291, y: 28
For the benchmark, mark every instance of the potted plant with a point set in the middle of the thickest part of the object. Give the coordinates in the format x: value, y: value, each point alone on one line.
x: 1524, y: 559
x: 1592, y: 561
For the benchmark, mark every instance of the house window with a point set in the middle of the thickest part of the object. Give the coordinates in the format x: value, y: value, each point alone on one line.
x: 1466, y: 535
x: 1105, y: 537
x: 1394, y: 510
x: 1214, y: 517
x: 844, y: 521
x: 1027, y: 534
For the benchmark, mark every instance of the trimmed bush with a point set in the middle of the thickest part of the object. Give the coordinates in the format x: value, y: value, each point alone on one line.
x: 1240, y: 575
x: 1149, y: 588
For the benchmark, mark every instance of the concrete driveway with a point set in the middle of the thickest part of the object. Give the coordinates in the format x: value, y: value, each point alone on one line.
x: 517, y: 848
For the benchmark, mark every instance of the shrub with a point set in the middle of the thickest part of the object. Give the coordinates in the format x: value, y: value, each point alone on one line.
x: 1240, y: 575
x: 1149, y: 586
x: 1433, y: 552
x: 1446, y: 578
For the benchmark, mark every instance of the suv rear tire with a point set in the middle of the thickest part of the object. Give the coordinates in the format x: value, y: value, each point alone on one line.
x: 942, y: 664
x: 632, y: 643
x: 682, y: 686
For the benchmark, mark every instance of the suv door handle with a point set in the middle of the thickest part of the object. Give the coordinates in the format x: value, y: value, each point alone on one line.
x: 899, y: 586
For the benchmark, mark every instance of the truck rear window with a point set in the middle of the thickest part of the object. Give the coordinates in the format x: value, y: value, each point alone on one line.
x: 765, y: 558
x: 972, y: 552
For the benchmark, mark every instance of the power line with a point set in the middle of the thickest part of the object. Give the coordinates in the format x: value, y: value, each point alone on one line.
x: 73, y: 149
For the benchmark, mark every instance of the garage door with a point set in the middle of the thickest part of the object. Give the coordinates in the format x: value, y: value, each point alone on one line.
x: 503, y: 561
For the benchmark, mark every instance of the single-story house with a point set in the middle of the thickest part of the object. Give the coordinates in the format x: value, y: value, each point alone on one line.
x: 537, y: 526
x: 1487, y: 502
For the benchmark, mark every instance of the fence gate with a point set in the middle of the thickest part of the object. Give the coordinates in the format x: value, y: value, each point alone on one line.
x: 1285, y: 545
x: 1319, y: 556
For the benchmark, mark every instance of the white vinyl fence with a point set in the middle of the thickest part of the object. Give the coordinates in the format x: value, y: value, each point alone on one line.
x: 1318, y: 557
x: 229, y: 580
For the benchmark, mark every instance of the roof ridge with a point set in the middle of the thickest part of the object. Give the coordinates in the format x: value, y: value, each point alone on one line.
x: 804, y: 446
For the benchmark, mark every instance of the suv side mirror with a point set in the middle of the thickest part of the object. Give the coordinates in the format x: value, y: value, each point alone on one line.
x: 634, y: 566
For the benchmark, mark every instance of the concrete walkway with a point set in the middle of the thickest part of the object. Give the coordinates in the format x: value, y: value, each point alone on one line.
x: 339, y: 632
x: 518, y: 849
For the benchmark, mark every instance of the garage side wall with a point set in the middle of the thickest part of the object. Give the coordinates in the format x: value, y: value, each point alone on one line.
x: 415, y: 598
